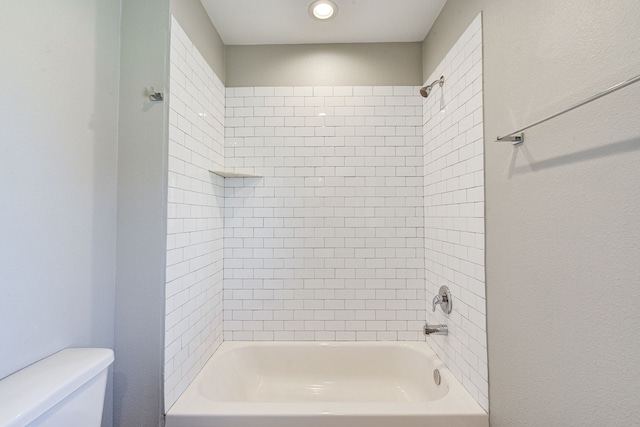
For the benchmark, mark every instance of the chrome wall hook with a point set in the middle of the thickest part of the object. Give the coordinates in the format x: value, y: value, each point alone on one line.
x: 155, y: 96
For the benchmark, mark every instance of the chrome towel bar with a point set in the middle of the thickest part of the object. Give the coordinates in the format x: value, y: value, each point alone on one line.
x: 518, y: 139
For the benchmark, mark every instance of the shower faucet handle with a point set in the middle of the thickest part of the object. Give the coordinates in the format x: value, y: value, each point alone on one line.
x: 436, y: 300
x: 443, y: 299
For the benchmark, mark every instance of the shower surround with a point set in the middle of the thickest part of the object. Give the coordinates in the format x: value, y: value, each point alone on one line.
x: 367, y: 199
x: 328, y: 243
x: 454, y: 210
x: 193, y: 321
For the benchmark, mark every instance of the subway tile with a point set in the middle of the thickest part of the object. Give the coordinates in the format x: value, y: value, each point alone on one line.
x: 453, y: 155
x: 359, y: 91
x: 283, y: 91
x: 303, y: 91
x: 264, y: 91
x: 383, y: 90
x: 342, y: 91
x: 187, y: 152
x: 294, y: 101
x: 325, y: 205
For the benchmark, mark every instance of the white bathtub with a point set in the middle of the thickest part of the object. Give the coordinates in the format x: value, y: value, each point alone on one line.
x: 313, y: 384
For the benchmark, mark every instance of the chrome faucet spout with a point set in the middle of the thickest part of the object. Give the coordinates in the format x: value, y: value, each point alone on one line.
x: 435, y: 329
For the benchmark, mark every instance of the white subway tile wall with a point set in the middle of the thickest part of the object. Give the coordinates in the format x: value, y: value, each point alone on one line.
x: 355, y: 207
x: 195, y: 237
x: 454, y: 210
x: 328, y: 244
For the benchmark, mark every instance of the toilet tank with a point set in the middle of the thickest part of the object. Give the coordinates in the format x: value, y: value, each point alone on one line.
x: 64, y: 390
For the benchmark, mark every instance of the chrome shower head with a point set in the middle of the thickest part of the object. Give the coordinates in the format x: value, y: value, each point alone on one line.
x: 425, y: 91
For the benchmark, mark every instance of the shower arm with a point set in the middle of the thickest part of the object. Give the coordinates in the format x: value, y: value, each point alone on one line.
x: 440, y: 81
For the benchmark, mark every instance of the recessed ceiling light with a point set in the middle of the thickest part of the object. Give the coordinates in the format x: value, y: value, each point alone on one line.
x: 323, y: 9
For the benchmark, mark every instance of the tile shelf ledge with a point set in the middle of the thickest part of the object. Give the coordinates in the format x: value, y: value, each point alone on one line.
x: 232, y: 174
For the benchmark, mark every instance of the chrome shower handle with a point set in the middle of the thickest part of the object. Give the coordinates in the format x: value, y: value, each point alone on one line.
x: 436, y: 300
x: 443, y: 299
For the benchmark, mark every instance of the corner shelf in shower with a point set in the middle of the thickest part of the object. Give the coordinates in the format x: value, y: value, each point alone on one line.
x: 232, y: 174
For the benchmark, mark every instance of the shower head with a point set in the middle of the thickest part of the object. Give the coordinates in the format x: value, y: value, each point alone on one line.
x: 425, y: 91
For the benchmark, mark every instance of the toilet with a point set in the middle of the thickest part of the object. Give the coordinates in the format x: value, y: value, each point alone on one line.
x: 63, y: 390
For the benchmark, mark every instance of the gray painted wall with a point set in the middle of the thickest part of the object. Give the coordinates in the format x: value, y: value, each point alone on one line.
x: 58, y: 157
x: 562, y: 211
x: 142, y: 215
x: 360, y: 64
x: 365, y: 64
x: 193, y: 18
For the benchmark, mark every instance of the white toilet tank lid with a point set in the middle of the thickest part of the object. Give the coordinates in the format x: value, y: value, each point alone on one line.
x: 28, y: 393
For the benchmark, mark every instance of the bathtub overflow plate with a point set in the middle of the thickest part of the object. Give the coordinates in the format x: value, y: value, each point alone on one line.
x: 436, y: 376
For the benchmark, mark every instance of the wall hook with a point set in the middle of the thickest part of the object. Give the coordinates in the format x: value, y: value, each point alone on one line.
x: 155, y: 96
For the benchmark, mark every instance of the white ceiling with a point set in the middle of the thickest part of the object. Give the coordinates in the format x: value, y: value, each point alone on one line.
x: 254, y: 22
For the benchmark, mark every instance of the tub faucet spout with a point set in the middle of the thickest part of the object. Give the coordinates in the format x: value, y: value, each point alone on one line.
x: 435, y: 329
